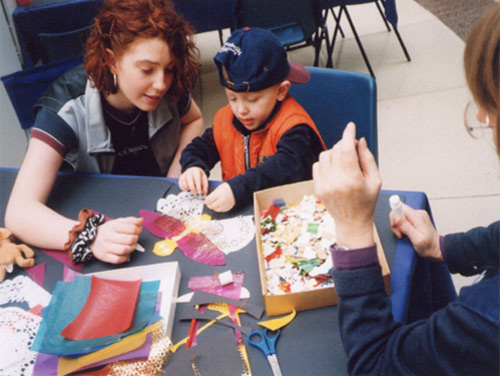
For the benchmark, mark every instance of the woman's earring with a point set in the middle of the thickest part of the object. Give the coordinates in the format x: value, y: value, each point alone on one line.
x: 114, y: 81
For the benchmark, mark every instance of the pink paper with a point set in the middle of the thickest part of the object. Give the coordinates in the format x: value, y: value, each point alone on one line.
x: 36, y: 310
x: 37, y: 273
x: 212, y: 285
x: 109, y: 310
x: 199, y: 248
x: 171, y: 225
x: 69, y: 274
x: 149, y: 223
x: 63, y: 257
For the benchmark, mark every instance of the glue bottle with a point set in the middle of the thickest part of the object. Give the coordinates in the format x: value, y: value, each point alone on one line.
x: 397, y: 207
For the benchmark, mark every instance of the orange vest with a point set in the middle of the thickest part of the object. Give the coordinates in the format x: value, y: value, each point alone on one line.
x: 259, y: 145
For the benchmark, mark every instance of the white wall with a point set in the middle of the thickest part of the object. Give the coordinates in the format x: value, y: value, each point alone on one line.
x: 12, y: 138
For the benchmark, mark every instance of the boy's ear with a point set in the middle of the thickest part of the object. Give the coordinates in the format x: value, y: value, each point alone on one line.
x: 283, y: 90
x: 111, y: 60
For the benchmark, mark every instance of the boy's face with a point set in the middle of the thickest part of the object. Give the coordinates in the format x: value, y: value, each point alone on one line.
x: 253, y: 108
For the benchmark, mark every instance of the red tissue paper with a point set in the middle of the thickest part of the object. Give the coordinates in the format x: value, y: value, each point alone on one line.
x: 109, y: 310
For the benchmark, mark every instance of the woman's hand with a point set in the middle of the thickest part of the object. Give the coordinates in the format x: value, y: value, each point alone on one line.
x: 195, y: 180
x: 221, y: 199
x: 117, y: 239
x: 418, y: 227
x: 348, y: 182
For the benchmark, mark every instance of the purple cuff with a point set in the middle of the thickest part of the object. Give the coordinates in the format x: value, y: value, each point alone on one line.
x: 354, y: 258
x: 441, y: 245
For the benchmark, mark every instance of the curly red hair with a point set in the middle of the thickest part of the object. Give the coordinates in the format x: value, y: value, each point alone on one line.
x: 120, y: 22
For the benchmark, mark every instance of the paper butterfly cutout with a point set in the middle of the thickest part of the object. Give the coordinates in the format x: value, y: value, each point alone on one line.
x: 194, y: 245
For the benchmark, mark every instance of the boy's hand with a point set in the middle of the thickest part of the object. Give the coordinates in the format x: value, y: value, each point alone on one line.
x: 195, y: 180
x: 221, y: 199
x: 117, y: 239
x: 418, y: 226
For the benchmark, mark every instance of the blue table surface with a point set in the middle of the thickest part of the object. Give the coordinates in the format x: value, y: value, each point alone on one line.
x: 311, y: 341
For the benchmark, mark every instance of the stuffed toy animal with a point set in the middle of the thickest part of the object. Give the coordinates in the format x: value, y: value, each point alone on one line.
x: 11, y: 253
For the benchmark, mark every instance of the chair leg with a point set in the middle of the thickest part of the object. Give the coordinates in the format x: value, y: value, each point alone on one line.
x: 317, y: 42
x: 321, y: 34
x: 358, y: 41
x: 336, y: 19
x: 221, y: 37
x: 331, y: 46
x: 383, y: 15
x: 396, y: 31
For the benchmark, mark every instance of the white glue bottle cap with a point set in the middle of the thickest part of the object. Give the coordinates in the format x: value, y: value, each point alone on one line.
x: 397, y: 207
x: 226, y: 278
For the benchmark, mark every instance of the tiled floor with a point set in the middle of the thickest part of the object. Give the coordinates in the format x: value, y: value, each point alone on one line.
x: 422, y: 142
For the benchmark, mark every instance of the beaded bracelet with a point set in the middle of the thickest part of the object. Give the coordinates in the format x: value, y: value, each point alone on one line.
x: 82, y: 235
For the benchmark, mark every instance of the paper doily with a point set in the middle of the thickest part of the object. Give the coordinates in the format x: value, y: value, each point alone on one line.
x: 17, y: 330
x: 23, y: 289
x: 181, y: 206
x: 229, y: 235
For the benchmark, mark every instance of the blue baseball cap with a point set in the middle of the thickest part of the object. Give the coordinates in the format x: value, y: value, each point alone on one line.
x: 254, y: 59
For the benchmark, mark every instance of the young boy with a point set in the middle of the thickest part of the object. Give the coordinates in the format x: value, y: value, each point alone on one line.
x: 263, y: 137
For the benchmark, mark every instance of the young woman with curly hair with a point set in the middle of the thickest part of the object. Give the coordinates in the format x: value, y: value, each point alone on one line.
x: 127, y: 110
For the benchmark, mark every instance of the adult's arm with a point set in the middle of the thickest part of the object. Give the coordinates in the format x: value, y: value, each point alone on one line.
x: 471, y: 252
x: 453, y: 341
x: 34, y: 223
x: 192, y: 126
x: 26, y: 215
x: 468, y: 253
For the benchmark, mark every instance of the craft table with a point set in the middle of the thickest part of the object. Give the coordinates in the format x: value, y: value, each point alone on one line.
x: 311, y: 343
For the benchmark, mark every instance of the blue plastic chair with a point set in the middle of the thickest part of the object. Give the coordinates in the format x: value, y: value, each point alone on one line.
x: 296, y: 23
x: 59, y: 46
x: 335, y: 97
x: 25, y: 87
x: 207, y: 15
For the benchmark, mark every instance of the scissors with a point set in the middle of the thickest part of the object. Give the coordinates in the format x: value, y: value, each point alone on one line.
x: 267, y: 345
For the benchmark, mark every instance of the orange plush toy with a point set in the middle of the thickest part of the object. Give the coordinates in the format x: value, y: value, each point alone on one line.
x: 11, y: 253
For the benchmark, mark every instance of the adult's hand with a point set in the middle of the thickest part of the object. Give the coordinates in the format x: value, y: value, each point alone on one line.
x: 347, y: 181
x: 417, y: 225
x: 117, y: 239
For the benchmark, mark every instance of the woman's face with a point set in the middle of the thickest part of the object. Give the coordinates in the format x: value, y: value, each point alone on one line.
x: 144, y: 73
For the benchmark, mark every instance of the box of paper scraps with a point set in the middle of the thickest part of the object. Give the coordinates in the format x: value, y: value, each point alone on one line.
x: 294, y: 233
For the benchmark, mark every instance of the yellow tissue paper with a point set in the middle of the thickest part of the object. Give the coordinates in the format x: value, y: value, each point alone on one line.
x: 165, y: 247
x: 67, y: 364
x: 278, y: 323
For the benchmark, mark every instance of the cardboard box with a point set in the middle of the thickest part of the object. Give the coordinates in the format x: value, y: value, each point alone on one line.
x: 319, y: 297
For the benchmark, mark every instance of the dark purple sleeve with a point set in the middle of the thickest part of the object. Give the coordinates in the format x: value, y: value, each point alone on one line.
x: 354, y: 258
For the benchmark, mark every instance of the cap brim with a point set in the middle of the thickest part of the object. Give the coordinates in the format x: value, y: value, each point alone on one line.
x: 298, y: 74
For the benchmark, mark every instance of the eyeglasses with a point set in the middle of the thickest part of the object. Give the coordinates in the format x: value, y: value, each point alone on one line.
x: 476, y: 121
